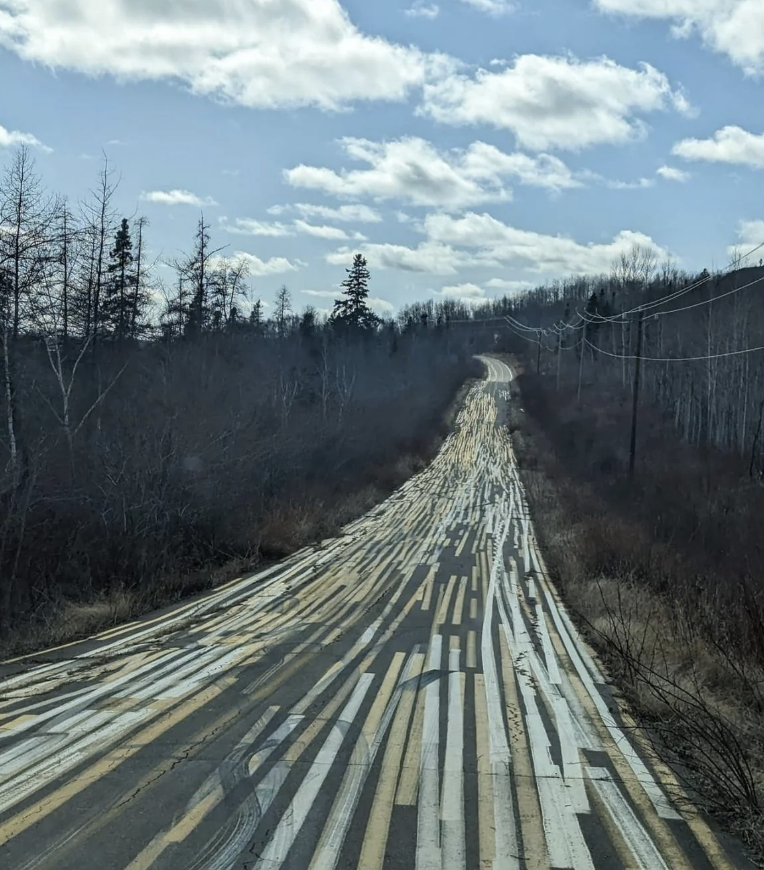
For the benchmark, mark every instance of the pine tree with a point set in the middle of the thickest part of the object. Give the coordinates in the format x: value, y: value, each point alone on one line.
x: 283, y: 310
x: 121, y: 296
x: 256, y: 317
x: 352, y: 311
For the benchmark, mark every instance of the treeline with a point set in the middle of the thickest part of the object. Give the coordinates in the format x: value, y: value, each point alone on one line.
x: 697, y: 340
x: 151, y: 432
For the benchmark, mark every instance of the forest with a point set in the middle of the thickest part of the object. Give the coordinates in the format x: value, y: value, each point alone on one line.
x: 156, y: 432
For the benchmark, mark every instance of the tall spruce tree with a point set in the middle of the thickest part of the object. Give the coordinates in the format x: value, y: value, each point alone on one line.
x: 352, y: 312
x: 121, y: 297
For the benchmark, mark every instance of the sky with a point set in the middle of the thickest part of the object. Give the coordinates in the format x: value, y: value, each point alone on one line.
x: 467, y: 148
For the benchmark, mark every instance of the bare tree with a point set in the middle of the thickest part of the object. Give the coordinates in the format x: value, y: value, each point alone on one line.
x: 26, y: 219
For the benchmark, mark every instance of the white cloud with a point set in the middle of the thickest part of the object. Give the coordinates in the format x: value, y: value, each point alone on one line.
x: 468, y: 292
x: 554, y: 102
x: 420, y: 9
x: 492, y: 7
x: 671, y: 173
x: 617, y: 184
x: 361, y: 214
x: 257, y: 53
x: 321, y: 232
x: 511, y: 286
x: 381, y: 306
x: 478, y: 241
x: 427, y: 257
x: 536, y: 252
x: 732, y: 27
x: 12, y: 138
x: 274, y: 266
x: 252, y: 227
x: 277, y: 229
x: 413, y: 170
x: 176, y: 197
x: 322, y: 294
x: 728, y: 145
x: 750, y: 235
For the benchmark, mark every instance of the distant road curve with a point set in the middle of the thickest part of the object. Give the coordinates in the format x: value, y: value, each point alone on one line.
x: 411, y: 695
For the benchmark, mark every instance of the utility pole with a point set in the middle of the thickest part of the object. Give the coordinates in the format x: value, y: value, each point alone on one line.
x: 635, y: 397
x: 581, y: 364
x: 538, y: 356
x: 559, y: 355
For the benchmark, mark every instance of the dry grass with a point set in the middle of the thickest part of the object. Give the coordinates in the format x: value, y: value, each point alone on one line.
x: 699, y: 703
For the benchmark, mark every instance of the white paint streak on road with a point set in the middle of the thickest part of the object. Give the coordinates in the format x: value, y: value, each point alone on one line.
x: 275, y: 853
x: 428, y: 855
x: 452, y: 804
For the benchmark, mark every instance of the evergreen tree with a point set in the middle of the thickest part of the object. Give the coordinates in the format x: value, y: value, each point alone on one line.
x: 308, y: 322
x: 352, y: 311
x: 282, y: 311
x: 121, y: 296
x: 256, y: 317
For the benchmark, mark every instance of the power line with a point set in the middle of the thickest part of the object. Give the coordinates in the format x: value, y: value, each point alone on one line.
x: 675, y: 358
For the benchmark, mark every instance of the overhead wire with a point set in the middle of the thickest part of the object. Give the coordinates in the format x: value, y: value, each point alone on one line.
x: 702, y: 358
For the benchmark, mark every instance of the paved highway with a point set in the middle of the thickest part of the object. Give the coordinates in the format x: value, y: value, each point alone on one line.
x: 410, y: 695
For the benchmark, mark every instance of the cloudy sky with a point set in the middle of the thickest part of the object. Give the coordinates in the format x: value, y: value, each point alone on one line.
x: 466, y: 147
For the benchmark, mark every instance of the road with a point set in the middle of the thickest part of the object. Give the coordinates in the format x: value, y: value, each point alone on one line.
x: 409, y: 695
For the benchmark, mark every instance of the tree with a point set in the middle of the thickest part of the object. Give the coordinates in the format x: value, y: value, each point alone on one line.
x: 352, y: 311
x: 308, y: 322
x: 120, y: 296
x: 99, y: 217
x: 283, y: 310
x: 256, y: 317
x: 25, y: 223
x: 196, y: 280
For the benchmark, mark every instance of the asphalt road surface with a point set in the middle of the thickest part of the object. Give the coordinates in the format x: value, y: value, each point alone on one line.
x: 410, y: 695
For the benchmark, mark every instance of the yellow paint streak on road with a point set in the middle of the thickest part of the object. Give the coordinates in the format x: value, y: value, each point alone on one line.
x: 188, y: 823
x: 20, y: 822
x: 384, y: 694
x: 377, y: 829
x: 12, y: 724
x: 178, y: 832
x: 368, y: 732
x: 440, y: 619
x: 461, y: 546
x: 486, y: 823
x: 471, y: 650
x: 299, y: 745
x: 528, y: 806
x: 408, y: 786
x: 429, y: 582
x: 32, y: 814
x: 473, y: 608
x: 474, y: 579
x: 459, y: 608
x: 605, y: 818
